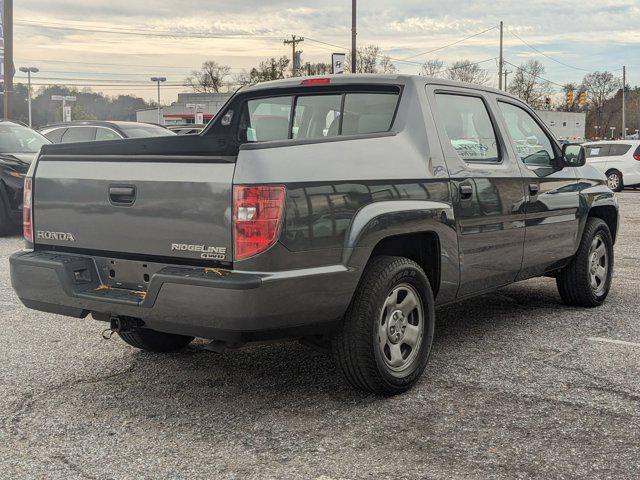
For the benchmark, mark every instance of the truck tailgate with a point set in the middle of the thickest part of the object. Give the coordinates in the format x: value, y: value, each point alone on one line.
x: 157, y: 208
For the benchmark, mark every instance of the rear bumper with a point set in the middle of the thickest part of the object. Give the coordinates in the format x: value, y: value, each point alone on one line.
x: 209, y: 303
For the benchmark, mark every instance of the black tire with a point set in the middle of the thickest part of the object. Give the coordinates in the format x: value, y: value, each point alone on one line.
x: 153, y: 341
x: 614, y: 177
x: 574, y: 281
x: 6, y: 225
x: 355, y: 347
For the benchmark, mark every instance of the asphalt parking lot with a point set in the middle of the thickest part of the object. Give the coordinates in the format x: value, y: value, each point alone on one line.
x: 519, y: 386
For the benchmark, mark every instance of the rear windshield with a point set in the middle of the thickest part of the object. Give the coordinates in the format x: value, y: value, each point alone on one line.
x: 145, y: 130
x: 313, y: 116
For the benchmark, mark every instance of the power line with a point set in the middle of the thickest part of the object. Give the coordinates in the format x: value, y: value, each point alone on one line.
x: 452, y: 43
x: 545, y: 55
x: 533, y: 74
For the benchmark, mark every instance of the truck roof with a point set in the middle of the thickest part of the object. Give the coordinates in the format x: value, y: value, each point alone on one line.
x: 364, y: 78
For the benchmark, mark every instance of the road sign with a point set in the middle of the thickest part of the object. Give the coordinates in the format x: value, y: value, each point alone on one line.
x: 337, y: 62
x: 200, y: 118
x: 63, y: 98
x: 67, y: 113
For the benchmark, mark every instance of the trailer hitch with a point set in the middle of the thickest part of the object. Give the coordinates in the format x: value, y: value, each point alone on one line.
x: 121, y: 325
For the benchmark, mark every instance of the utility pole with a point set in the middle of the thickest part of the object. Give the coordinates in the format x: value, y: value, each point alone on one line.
x: 506, y: 72
x: 624, y: 102
x: 7, y: 26
x: 294, y: 42
x: 159, y: 80
x: 354, y: 33
x: 501, y: 62
x: 29, y: 71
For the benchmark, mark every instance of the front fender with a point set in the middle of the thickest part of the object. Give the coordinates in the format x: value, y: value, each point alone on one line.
x: 381, y: 220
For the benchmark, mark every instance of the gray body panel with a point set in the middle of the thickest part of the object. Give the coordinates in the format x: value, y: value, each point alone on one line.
x: 345, y: 196
x: 175, y: 203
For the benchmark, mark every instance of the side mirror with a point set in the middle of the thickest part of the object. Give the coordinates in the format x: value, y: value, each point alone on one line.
x: 574, y: 155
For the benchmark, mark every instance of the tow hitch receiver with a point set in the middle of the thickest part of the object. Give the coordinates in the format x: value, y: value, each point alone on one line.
x: 122, y: 325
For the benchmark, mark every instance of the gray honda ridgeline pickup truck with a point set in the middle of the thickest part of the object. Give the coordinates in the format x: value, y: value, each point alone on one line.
x: 339, y: 210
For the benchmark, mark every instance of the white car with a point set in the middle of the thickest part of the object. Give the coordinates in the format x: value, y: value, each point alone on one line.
x: 619, y: 160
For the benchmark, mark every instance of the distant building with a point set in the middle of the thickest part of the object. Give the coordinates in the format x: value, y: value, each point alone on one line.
x: 184, y: 109
x: 564, y: 125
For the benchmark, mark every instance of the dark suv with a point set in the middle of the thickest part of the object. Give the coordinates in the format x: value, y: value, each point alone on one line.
x: 339, y: 210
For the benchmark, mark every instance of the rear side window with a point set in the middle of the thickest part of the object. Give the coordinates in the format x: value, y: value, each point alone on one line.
x: 79, y: 134
x: 595, y: 151
x: 312, y: 116
x: 106, y: 134
x: 619, y: 149
x: 469, y: 127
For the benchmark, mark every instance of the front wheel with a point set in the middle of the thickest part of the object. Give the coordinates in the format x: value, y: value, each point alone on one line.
x: 384, y: 342
x: 614, y: 180
x: 585, y: 282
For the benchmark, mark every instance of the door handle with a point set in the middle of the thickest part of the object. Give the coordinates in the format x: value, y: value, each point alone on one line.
x: 122, y: 195
x: 466, y: 191
x: 534, y: 188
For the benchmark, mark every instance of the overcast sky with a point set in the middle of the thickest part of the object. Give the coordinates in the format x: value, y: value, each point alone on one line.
x: 587, y: 35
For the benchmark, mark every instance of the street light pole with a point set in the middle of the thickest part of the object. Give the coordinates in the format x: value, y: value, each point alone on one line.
x: 354, y: 49
x: 29, y: 71
x: 501, y: 61
x: 624, y: 102
x: 159, y: 80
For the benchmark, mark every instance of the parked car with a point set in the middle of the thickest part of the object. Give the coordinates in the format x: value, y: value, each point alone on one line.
x: 186, y: 129
x: 338, y: 210
x: 18, y: 147
x: 89, y: 131
x: 619, y: 160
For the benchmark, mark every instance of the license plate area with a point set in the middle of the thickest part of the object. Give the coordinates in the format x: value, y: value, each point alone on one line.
x: 126, y: 274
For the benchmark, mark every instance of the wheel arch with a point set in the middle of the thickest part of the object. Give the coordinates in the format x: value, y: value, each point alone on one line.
x: 609, y: 214
x: 423, y: 231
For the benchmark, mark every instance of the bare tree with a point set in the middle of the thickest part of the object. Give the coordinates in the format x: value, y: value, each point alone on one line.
x: 210, y: 77
x: 371, y: 60
x: 528, y: 84
x: 432, y: 68
x: 467, y: 71
x: 386, y: 65
x: 600, y: 86
x: 320, y: 68
x: 270, y: 69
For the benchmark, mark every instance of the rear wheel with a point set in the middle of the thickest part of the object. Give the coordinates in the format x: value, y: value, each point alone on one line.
x: 384, y: 342
x: 614, y: 180
x: 585, y: 282
x: 153, y: 341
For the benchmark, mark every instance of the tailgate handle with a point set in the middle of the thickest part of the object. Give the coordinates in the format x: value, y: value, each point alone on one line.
x: 122, y: 195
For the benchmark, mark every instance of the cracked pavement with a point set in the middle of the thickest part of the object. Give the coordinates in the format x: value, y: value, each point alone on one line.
x: 518, y: 386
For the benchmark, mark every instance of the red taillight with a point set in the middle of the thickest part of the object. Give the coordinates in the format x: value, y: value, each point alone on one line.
x: 27, y: 214
x: 636, y: 157
x: 257, y: 214
x: 315, y: 81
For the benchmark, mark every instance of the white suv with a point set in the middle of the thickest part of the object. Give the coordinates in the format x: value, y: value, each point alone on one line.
x: 619, y: 160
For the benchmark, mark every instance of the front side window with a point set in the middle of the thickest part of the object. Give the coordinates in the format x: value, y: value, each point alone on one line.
x: 469, y: 127
x: 317, y: 116
x: 532, y: 144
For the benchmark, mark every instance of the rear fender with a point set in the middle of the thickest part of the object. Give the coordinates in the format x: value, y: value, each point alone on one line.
x: 378, y: 221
